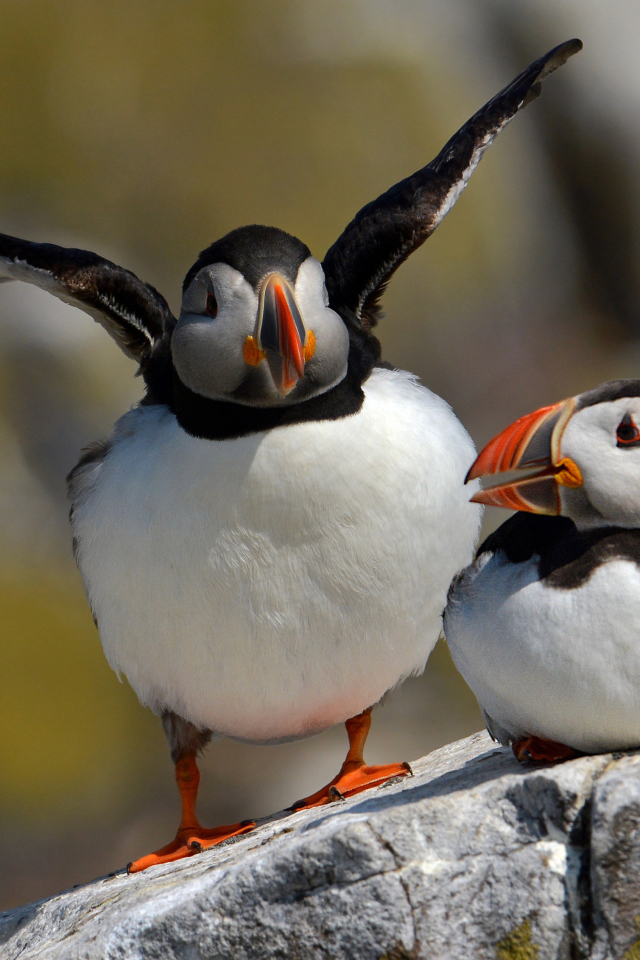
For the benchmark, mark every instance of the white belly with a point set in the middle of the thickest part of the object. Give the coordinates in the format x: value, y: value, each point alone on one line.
x: 270, y: 586
x: 561, y: 664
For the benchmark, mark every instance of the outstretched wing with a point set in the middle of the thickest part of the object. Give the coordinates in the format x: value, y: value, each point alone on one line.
x: 384, y: 233
x: 132, y: 312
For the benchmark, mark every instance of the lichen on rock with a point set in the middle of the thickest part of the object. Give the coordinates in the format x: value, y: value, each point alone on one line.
x: 475, y: 856
x: 518, y: 944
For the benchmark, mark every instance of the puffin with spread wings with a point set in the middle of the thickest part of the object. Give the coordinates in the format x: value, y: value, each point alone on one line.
x: 267, y: 539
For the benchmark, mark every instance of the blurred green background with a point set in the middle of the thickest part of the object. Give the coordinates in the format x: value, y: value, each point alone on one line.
x: 144, y: 130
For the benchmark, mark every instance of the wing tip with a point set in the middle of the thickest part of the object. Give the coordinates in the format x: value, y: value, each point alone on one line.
x: 550, y: 62
x: 526, y: 87
x: 559, y: 55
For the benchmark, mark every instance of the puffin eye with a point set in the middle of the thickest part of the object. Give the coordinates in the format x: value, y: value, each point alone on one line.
x: 212, y: 305
x: 627, y: 433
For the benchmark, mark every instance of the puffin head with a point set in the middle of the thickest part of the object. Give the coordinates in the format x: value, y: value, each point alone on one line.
x: 255, y: 327
x: 582, y: 456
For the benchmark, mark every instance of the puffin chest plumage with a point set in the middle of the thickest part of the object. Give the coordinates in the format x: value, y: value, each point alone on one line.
x: 268, y: 586
x: 552, y: 658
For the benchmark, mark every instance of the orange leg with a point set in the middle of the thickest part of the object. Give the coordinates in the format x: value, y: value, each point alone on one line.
x: 542, y: 751
x: 191, y: 837
x: 354, y: 775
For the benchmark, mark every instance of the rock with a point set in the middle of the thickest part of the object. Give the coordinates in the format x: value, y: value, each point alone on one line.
x: 474, y: 857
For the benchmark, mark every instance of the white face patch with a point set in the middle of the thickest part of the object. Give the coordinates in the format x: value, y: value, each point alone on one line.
x: 328, y: 365
x: 611, y: 471
x: 207, y: 351
x: 208, y: 354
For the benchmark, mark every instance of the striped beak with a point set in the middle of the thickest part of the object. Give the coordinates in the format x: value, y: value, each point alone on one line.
x: 531, y: 443
x: 280, y: 334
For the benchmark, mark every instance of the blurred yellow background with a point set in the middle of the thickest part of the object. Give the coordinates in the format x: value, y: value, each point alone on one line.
x: 144, y: 130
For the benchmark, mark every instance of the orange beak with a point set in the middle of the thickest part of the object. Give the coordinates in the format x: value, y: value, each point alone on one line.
x: 280, y: 333
x: 532, y: 441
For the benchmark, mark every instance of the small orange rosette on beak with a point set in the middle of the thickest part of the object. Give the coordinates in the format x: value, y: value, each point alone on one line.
x: 531, y: 442
x: 280, y: 336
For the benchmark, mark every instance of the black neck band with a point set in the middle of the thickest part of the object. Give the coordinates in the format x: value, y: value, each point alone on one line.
x: 222, y: 420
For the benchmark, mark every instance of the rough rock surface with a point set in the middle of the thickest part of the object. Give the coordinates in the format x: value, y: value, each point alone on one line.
x: 474, y: 857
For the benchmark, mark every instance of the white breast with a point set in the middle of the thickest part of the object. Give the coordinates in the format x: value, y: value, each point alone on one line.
x: 558, y: 663
x: 270, y: 586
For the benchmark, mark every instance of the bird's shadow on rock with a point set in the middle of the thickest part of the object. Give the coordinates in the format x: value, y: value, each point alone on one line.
x: 491, y: 765
x: 11, y: 921
x: 474, y: 772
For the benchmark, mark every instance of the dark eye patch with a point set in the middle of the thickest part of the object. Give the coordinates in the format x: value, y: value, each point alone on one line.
x: 212, y: 305
x: 627, y: 433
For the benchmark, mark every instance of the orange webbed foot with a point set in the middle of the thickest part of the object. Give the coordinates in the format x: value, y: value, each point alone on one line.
x: 352, y: 781
x: 189, y: 841
x: 539, y: 750
x: 355, y: 775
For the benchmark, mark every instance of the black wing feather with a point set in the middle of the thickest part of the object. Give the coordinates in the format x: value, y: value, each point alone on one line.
x: 132, y: 312
x: 386, y: 231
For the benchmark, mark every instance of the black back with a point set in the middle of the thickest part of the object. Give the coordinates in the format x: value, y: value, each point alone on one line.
x: 567, y: 557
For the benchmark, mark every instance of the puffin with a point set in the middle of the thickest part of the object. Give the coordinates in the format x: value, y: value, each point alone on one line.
x: 544, y: 624
x: 266, y: 540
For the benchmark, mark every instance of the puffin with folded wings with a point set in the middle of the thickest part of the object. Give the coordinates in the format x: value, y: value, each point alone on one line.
x: 266, y: 541
x: 544, y: 624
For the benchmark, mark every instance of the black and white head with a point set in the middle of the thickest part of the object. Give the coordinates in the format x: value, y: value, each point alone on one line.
x: 255, y: 325
x: 266, y: 334
x: 582, y: 456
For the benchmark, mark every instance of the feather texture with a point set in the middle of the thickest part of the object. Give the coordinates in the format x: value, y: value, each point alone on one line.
x: 544, y: 626
x: 269, y: 586
x: 132, y: 312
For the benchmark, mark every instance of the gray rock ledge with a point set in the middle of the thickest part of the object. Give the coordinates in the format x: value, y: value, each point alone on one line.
x: 475, y: 856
